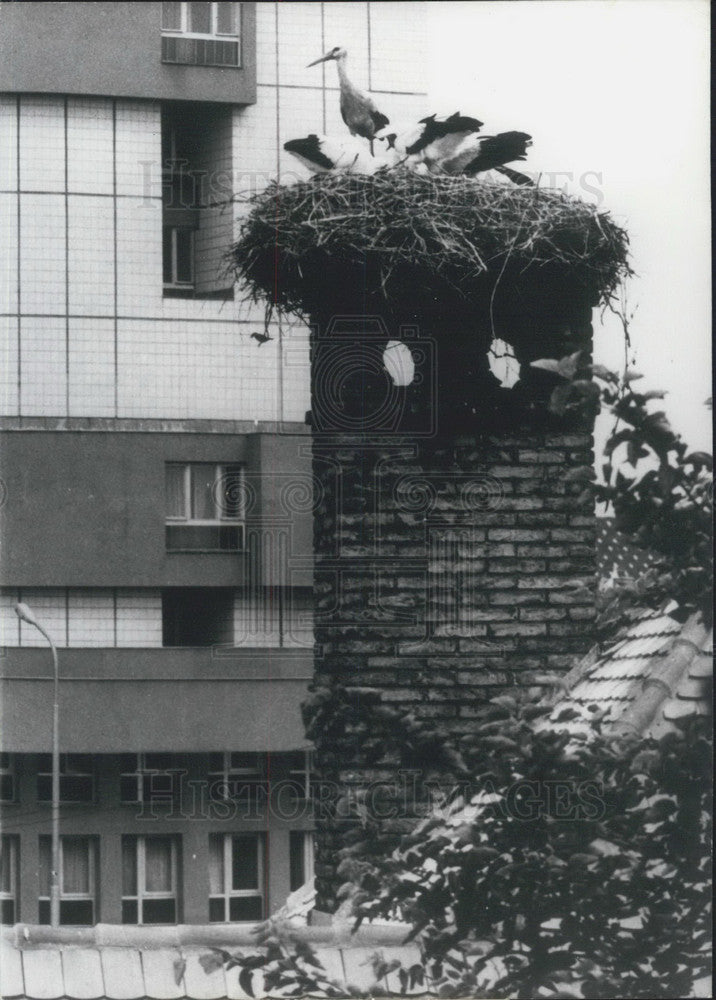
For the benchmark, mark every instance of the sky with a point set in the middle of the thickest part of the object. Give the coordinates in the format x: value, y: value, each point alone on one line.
x: 615, y: 96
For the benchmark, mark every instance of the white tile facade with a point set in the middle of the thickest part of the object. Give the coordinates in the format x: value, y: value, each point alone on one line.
x: 124, y: 617
x: 95, y: 335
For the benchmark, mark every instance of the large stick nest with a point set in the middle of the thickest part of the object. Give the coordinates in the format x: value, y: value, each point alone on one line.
x: 399, y: 241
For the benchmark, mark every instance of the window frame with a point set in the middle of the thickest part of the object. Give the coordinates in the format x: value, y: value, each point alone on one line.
x: 10, y: 848
x: 142, y: 893
x: 64, y: 760
x: 214, y: 16
x: 175, y: 282
x: 8, y: 770
x: 229, y: 893
x: 219, y: 474
x: 141, y: 772
x: 221, y: 782
x: 307, y: 846
x: 302, y: 775
x: 92, y: 865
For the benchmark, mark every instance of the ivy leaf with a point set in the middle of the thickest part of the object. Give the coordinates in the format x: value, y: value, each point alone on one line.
x: 632, y: 375
x: 179, y: 969
x: 568, y: 365
x: 605, y: 374
x: 214, y: 960
x: 700, y: 459
x: 246, y: 981
x: 547, y: 365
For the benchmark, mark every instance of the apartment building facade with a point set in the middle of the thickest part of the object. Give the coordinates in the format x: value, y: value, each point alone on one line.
x: 155, y: 476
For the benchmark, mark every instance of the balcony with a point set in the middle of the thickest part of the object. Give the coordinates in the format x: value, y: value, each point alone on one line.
x: 189, y: 700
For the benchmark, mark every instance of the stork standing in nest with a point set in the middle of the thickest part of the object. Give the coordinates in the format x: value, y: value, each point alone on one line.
x: 357, y: 109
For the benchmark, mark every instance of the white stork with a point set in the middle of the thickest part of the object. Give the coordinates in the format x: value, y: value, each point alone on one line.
x: 357, y: 109
x: 431, y: 140
x: 323, y: 154
x: 489, y: 152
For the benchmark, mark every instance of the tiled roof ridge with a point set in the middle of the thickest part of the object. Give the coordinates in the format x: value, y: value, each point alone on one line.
x: 26, y: 937
x: 600, y: 652
x: 663, y: 682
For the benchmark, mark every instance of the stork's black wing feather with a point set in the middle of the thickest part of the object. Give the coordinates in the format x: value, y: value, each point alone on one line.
x: 310, y: 149
x: 379, y: 119
x: 498, y: 149
x: 437, y: 128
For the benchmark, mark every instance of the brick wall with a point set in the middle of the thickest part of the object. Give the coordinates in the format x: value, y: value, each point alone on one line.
x: 453, y: 561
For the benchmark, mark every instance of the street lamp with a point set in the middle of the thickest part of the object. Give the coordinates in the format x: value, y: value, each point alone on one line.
x: 25, y: 614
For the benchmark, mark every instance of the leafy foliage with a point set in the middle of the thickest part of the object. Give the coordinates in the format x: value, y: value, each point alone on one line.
x: 661, y: 493
x: 575, y: 868
x: 283, y: 963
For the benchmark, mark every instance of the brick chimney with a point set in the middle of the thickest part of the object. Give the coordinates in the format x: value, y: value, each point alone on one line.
x: 452, y: 559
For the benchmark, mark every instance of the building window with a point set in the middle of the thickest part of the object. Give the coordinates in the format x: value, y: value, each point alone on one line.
x: 300, y: 858
x: 201, y: 34
x: 178, y: 257
x: 197, y: 185
x: 149, y: 880
x: 300, y: 765
x: 236, y: 877
x: 8, y: 879
x: 7, y: 777
x: 197, y: 616
x: 151, y: 778
x: 78, y: 864
x: 237, y: 776
x: 76, y: 777
x: 204, y: 507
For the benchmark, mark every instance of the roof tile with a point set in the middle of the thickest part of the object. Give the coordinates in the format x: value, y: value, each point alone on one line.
x: 12, y: 983
x: 82, y: 971
x: 646, y: 645
x: 200, y: 984
x: 234, y: 989
x: 636, y: 666
x: 160, y: 979
x: 43, y: 973
x: 122, y: 971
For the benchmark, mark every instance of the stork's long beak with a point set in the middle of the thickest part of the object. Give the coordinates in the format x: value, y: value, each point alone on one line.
x: 317, y: 61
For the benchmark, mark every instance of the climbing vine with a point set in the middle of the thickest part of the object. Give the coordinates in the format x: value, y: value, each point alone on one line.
x: 660, y: 491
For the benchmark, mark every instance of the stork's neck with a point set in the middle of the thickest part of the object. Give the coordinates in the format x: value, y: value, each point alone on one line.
x: 341, y: 67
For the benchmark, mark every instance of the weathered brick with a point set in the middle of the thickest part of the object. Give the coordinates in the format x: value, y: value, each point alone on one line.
x: 436, y: 711
x: 543, y: 551
x: 518, y: 629
x: 527, y: 503
x: 542, y: 519
x: 587, y: 613
x: 531, y: 565
x: 404, y: 694
x: 540, y: 581
x: 424, y: 647
x: 544, y: 456
x: 496, y: 550
x: 570, y: 597
x: 481, y: 646
x: 567, y: 535
x: 573, y: 565
x: 515, y: 535
x: 542, y: 614
x: 513, y: 472
x: 513, y: 599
